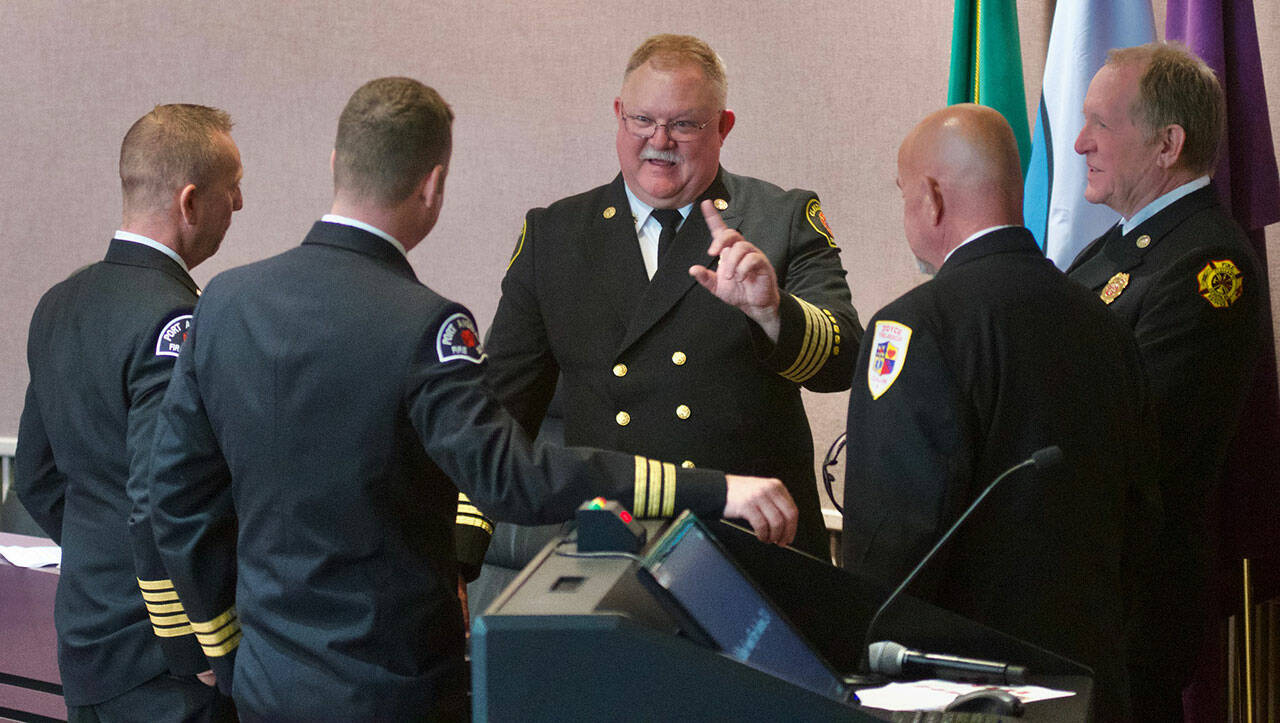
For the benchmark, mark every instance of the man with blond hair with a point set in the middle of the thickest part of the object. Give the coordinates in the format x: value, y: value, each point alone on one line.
x: 1179, y: 272
x: 100, y: 348
x: 600, y: 308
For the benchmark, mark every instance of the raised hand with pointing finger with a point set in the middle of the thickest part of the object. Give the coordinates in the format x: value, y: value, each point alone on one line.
x: 743, y: 278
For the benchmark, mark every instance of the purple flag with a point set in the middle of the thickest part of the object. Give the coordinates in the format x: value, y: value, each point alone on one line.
x: 1225, y: 35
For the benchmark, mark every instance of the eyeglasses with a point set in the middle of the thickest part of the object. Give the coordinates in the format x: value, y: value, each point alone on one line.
x: 679, y: 131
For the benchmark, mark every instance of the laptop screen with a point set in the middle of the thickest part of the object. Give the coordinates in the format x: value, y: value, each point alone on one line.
x: 690, y: 564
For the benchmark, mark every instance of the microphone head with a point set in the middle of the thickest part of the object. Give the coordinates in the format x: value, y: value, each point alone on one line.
x: 1047, y: 457
x: 885, y: 657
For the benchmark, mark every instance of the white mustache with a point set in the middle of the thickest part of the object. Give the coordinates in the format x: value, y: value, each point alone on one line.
x: 649, y: 153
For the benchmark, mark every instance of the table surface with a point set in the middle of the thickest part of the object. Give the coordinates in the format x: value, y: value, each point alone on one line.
x: 29, y: 665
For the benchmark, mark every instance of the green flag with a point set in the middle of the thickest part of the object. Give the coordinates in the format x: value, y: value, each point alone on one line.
x: 986, y: 64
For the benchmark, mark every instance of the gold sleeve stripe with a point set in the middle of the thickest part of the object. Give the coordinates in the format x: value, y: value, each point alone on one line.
x: 480, y: 522
x: 155, y: 584
x: 217, y: 651
x: 469, y: 509
x: 642, y: 486
x: 227, y: 632
x: 170, y: 620
x: 817, y: 345
x: 161, y: 609
x: 655, y: 489
x: 668, y: 489
x: 228, y: 616
x: 171, y: 632
x: 165, y: 596
x: 463, y: 499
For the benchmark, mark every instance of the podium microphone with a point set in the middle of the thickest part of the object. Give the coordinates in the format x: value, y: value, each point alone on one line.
x: 891, y: 659
x: 1041, y: 458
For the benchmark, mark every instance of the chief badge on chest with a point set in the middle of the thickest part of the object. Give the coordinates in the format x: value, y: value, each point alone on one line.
x: 1113, y: 288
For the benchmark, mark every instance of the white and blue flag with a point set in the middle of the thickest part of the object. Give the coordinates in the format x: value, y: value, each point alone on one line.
x: 1053, y: 204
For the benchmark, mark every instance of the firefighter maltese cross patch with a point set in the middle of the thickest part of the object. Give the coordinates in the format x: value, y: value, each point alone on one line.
x: 1220, y: 283
x: 458, y: 339
x: 888, y: 354
x: 173, y: 335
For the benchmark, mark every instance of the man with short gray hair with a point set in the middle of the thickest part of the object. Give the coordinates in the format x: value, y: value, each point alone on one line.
x: 1182, y: 275
x: 100, y: 349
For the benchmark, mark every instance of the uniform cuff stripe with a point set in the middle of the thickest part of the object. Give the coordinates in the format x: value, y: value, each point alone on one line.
x: 816, y: 346
x: 171, y: 632
x: 166, y: 596
x: 480, y: 522
x: 217, y: 651
x: 155, y: 584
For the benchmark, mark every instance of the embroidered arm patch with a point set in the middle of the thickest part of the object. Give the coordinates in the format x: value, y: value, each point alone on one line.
x: 458, y: 339
x: 173, y: 335
x: 888, y: 355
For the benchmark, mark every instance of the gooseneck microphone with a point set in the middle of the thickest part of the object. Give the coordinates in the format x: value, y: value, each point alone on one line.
x: 1041, y: 458
x: 893, y: 660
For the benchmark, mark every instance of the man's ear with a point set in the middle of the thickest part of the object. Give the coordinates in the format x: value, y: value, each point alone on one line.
x: 432, y: 189
x: 727, y: 119
x: 187, y: 204
x: 933, y: 199
x: 1169, y: 142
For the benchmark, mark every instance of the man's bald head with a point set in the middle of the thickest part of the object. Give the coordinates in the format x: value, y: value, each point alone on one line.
x: 959, y: 173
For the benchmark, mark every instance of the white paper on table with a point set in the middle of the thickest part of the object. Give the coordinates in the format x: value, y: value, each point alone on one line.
x: 938, y: 694
x: 39, y: 556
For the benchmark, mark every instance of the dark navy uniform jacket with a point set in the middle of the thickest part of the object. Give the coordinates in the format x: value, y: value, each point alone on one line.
x: 100, y: 349
x: 302, y: 490
x: 1194, y: 294
x: 966, y: 375
x: 662, y: 367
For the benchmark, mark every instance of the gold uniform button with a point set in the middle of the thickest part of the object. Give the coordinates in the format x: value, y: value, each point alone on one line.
x: 720, y: 204
x: 683, y: 411
x: 679, y: 358
x: 687, y: 464
x: 609, y: 212
x: 1143, y: 241
x: 619, y: 370
x: 623, y: 419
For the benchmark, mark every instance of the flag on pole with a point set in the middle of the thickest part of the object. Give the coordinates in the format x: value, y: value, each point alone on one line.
x: 1224, y: 34
x: 986, y: 64
x: 1054, y: 207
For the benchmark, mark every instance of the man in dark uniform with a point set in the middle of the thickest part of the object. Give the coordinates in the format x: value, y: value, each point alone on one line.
x: 968, y: 374
x: 598, y: 304
x: 304, y: 451
x: 1181, y: 274
x: 100, y: 349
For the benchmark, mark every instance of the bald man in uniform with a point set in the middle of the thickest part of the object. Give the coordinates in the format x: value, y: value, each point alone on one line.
x: 968, y: 374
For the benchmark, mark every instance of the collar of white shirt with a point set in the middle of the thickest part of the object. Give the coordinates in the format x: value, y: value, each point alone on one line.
x: 343, y: 220
x: 648, y: 229
x: 1163, y: 202
x: 145, y: 241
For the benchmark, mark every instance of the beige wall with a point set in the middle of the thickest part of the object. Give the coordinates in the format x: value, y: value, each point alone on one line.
x: 823, y: 93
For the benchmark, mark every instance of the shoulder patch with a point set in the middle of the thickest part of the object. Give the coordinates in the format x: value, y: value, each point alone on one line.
x: 888, y: 355
x: 1220, y: 283
x: 458, y: 339
x: 524, y: 228
x: 818, y: 220
x: 173, y: 335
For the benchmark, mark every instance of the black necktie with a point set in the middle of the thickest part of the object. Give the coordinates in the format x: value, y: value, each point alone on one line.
x: 670, y: 220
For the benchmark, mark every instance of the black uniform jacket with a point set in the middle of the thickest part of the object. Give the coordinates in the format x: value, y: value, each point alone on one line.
x: 100, y: 349
x: 302, y: 490
x: 998, y: 356
x: 662, y: 367
x: 1189, y: 285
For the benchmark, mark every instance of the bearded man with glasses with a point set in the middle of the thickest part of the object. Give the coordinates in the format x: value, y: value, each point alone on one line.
x: 660, y: 332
